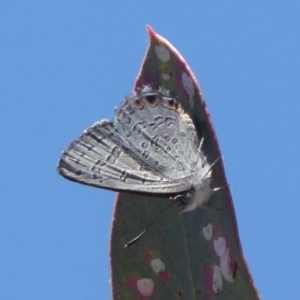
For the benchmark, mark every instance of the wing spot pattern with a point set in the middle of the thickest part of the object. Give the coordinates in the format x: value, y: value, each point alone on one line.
x: 146, y: 154
x: 111, y: 159
x: 116, y: 152
x: 144, y: 145
x: 170, y: 121
x: 124, y: 176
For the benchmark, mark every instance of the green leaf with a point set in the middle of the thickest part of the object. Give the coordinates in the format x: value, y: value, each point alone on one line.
x: 194, y: 255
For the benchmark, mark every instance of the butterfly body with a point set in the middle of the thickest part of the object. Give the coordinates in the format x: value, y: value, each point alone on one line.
x: 150, y: 146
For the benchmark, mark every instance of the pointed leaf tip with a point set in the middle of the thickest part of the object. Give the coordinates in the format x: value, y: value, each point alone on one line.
x: 151, y: 32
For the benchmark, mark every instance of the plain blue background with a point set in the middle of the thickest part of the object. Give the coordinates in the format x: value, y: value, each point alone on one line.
x: 66, y: 64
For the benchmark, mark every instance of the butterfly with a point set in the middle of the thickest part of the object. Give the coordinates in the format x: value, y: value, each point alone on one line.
x: 150, y: 146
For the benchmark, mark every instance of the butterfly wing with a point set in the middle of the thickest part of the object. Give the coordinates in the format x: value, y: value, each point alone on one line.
x: 159, y: 131
x: 99, y: 158
x: 150, y: 147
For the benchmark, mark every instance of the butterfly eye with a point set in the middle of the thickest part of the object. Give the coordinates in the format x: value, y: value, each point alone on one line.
x: 172, y: 103
x: 138, y: 103
x: 152, y: 99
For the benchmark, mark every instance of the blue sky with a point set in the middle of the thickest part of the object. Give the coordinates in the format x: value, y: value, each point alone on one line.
x: 66, y: 64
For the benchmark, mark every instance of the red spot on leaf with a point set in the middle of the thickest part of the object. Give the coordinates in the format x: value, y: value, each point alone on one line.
x: 132, y: 282
x: 208, y: 283
x: 148, y: 256
x: 165, y: 276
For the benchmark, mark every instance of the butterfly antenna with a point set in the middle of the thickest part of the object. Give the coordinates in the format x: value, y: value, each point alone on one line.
x: 199, y: 147
x: 211, y: 166
x: 133, y: 241
x: 201, y: 143
x: 220, y: 187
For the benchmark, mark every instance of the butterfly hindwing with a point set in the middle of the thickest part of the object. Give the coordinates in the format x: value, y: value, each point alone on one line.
x: 100, y: 158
